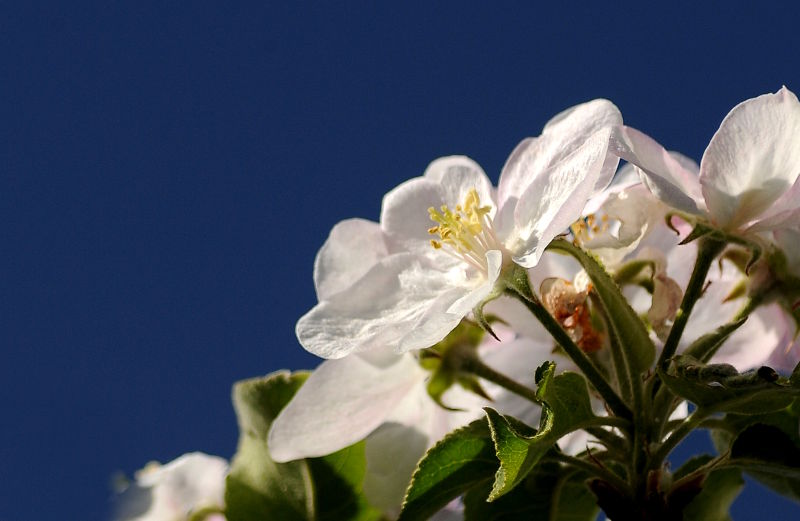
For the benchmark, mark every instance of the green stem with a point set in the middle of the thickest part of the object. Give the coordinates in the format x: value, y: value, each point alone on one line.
x: 475, y: 366
x: 707, y: 251
x: 573, y: 351
x: 678, y: 434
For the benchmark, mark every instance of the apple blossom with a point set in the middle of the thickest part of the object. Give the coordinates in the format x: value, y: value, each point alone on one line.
x: 446, y: 240
x: 748, y: 177
x: 631, y: 227
x: 175, y: 491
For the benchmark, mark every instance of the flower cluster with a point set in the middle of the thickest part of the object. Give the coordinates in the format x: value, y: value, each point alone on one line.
x: 490, y: 342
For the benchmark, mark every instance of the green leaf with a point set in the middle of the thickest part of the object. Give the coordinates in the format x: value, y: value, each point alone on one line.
x: 770, y: 455
x: 720, y: 388
x: 519, y: 448
x: 458, y: 462
x: 338, y: 479
x: 716, y: 494
x: 257, y: 487
x: 628, y: 326
x: 323, y: 489
x: 550, y: 492
x: 765, y: 444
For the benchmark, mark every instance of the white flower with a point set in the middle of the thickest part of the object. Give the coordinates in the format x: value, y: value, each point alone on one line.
x: 173, y: 492
x: 633, y: 229
x: 748, y: 177
x: 444, y: 239
x: 382, y: 397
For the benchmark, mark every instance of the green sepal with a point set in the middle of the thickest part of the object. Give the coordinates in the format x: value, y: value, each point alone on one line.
x: 629, y: 272
x: 699, y: 230
x: 459, y: 461
x: 448, y: 359
x: 629, y: 328
x: 567, y: 407
x: 549, y: 492
x: 720, y: 388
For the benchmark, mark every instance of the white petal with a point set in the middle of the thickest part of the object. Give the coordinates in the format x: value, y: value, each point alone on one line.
x: 172, y: 491
x: 404, y: 214
x: 457, y: 175
x: 664, y: 173
x: 555, y: 200
x: 752, y: 159
x: 352, y: 248
x: 494, y: 261
x: 633, y: 212
x: 392, y: 453
x: 340, y: 403
x: 381, y: 308
x: 435, y: 323
x: 562, y: 136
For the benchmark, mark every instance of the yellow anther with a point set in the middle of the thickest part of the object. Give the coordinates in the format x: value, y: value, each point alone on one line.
x: 464, y: 229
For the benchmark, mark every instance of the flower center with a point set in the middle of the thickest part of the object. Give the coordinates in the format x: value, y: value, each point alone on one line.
x: 586, y: 228
x: 465, y: 232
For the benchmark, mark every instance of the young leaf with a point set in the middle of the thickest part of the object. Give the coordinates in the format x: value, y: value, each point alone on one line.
x: 257, y: 487
x: 549, y: 492
x: 626, y: 323
x: 458, y: 462
x: 719, y: 387
x: 718, y: 491
x: 567, y: 408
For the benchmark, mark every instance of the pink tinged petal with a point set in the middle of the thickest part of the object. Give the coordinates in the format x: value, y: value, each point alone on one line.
x: 788, y: 240
x: 668, y: 176
x: 556, y: 199
x: 377, y: 311
x: 785, y: 213
x: 752, y: 159
x: 340, y: 403
x: 517, y: 359
x: 562, y: 136
x: 352, y: 248
x: 753, y: 344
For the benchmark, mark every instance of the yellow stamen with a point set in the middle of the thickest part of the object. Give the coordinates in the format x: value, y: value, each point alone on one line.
x: 467, y: 230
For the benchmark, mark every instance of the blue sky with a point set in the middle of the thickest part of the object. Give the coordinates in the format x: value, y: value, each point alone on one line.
x: 169, y: 172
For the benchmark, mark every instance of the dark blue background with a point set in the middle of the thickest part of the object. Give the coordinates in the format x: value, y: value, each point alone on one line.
x: 169, y: 172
